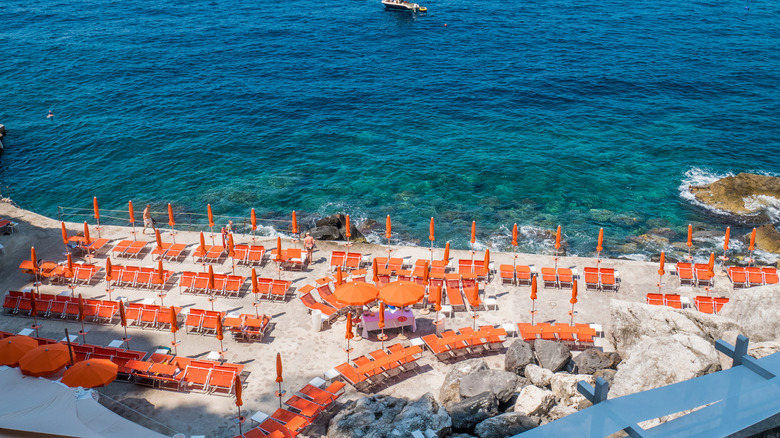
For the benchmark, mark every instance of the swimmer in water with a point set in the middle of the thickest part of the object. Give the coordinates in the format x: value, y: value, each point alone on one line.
x: 51, y: 115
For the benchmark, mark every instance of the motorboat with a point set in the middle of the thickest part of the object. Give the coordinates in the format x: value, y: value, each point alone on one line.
x: 403, y: 5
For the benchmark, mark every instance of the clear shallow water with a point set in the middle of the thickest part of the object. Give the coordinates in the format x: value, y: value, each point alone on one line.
x: 536, y: 113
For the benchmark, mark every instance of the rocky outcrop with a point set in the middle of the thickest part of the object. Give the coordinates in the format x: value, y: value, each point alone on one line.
x: 505, y: 425
x: 755, y: 310
x: 468, y: 413
x: 502, y: 384
x: 743, y: 195
x: 518, y: 356
x: 534, y: 401
x: 381, y: 416
x: 592, y: 360
x: 552, y: 355
x: 564, y: 387
x: 450, y: 389
x: 334, y: 228
x: 768, y: 238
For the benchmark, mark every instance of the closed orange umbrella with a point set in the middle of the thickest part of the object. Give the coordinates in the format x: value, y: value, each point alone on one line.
x: 202, y: 247
x: 211, y: 216
x: 69, y: 272
x: 278, y: 249
x: 158, y: 239
x: 376, y: 273
x: 487, y: 259
x: 109, y: 270
x: 514, y: 235
x: 34, y: 260
x: 33, y: 306
x: 690, y: 236
x: 438, y: 299
x: 294, y: 223
x: 87, y: 240
x: 13, y: 348
x: 662, y: 264
x: 381, y: 315
x: 231, y: 246
x: 253, y: 220
x: 401, y: 293
x: 171, y: 222
x: 255, y: 288
x: 348, y: 231
x: 431, y: 235
x: 44, y: 360
x: 91, y: 373
x: 348, y: 334
x: 220, y: 334
x: 237, y: 389
x: 426, y: 273
x: 211, y: 278
x: 96, y: 209
x: 473, y: 296
x: 130, y: 212
x: 533, y: 287
x: 711, y: 264
x: 64, y: 234
x: 557, y: 239
x: 446, y: 257
x: 122, y: 314
x: 726, y: 239
x: 600, y: 245
x: 174, y: 322
x: 279, y: 378
x: 388, y: 228
x: 573, y: 299
x: 339, y: 276
x: 160, y: 273
x: 473, y: 233
x: 752, y: 246
x: 356, y: 293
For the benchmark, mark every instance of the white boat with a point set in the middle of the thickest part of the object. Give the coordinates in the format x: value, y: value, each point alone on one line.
x: 403, y: 5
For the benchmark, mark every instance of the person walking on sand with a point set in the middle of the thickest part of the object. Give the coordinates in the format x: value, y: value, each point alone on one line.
x: 309, y: 245
x: 148, y: 218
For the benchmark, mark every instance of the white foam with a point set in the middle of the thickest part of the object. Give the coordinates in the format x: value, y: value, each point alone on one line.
x: 763, y: 203
x: 695, y: 177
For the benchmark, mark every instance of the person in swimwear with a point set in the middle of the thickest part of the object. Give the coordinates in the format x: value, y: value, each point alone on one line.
x: 50, y: 115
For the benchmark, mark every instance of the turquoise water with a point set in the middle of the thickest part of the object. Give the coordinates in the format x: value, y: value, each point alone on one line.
x: 586, y: 115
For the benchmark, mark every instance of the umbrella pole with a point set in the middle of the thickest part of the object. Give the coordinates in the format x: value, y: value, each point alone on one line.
x: 281, y: 394
x: 175, y: 350
x: 239, y: 421
x: 348, y: 350
x: 83, y: 333
x: 212, y: 236
x: 127, y: 340
x: 133, y: 233
x: 36, y: 326
x: 533, y: 311
x: 98, y: 228
x: 211, y: 299
x: 572, y: 314
x: 70, y: 348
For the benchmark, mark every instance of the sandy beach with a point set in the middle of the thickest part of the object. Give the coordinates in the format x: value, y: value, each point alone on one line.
x: 306, y: 354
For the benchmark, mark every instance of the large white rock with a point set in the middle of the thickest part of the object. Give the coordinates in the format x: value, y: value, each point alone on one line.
x: 633, y: 321
x: 538, y: 376
x: 534, y: 401
x: 564, y: 387
x: 755, y: 310
x: 654, y: 362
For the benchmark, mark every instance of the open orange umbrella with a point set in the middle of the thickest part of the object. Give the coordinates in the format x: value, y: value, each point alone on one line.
x: 171, y: 222
x: 356, y: 293
x: 600, y: 246
x: 348, y: 228
x: 87, y: 240
x: 211, y: 216
x: 294, y: 223
x: 446, y: 257
x: 278, y: 249
x: 279, y: 378
x: 44, y: 360
x: 339, y: 276
x: 158, y: 240
x: 13, y: 348
x: 91, y: 373
x: 533, y: 297
x: 401, y: 293
x: 131, y: 213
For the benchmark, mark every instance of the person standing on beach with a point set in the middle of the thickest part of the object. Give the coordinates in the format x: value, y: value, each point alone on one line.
x: 308, y: 245
x: 148, y: 218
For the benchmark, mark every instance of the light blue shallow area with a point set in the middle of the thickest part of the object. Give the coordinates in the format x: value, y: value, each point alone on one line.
x: 586, y: 115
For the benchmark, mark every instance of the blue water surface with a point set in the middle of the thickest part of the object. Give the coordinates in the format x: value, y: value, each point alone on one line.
x: 584, y: 114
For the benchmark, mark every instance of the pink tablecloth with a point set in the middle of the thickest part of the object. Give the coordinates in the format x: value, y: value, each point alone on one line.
x: 371, y: 320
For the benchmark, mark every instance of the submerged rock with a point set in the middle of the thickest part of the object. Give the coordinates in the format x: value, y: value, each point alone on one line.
x: 334, y: 228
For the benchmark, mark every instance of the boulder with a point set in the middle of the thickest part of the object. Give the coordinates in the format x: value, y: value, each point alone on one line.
x: 502, y: 384
x: 538, y: 376
x: 422, y: 414
x: 768, y: 238
x: 742, y: 195
x: 606, y: 374
x: 518, y: 356
x: 505, y: 425
x: 534, y: 401
x: 325, y: 232
x: 370, y: 417
x: 755, y: 310
x: 450, y: 389
x: 552, y: 355
x: 336, y: 220
x: 657, y: 361
x: 564, y: 387
x: 468, y: 413
x: 633, y: 321
x: 325, y: 227
x: 592, y: 360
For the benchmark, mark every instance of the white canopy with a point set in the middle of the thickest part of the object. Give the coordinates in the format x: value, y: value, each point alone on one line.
x: 42, y: 406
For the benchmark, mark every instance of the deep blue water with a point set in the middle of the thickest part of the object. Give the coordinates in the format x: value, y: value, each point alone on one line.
x: 584, y: 114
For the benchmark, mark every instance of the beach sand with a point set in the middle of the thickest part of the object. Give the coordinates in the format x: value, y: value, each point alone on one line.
x: 306, y: 354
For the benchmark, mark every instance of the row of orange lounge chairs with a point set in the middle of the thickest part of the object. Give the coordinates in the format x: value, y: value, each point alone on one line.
x: 60, y: 306
x: 752, y: 276
x: 454, y: 345
x: 139, y: 277
x: 576, y: 336
x: 697, y: 274
x: 377, y: 366
x: 702, y: 303
x: 82, y: 273
x: 198, y: 283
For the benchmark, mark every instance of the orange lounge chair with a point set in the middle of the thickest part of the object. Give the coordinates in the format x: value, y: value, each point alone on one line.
x: 350, y: 374
x: 608, y: 279
x: 134, y: 249
x: 565, y: 278
x: 523, y: 275
x: 549, y: 278
x: 255, y: 255
x: 337, y: 258
x: 507, y: 274
x: 441, y: 352
x: 705, y: 304
x: 673, y: 300
x: 702, y: 273
x: 175, y: 252
x: 274, y: 428
x: 327, y: 296
x: 196, y: 377
x: 685, y: 273
x: 770, y: 275
x: 120, y: 248
x: 304, y: 407
x: 455, y: 298
x: 309, y: 301
x: 465, y: 265
x: 755, y: 276
x: 353, y: 260
x: 738, y: 276
x: 279, y: 289
x: 592, y: 281
x: 655, y: 299
x: 719, y: 302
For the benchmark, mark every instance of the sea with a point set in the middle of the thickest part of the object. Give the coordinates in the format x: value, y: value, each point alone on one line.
x: 583, y: 114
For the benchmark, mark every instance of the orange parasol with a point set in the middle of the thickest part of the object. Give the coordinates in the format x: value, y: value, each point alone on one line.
x: 211, y: 216
x: 356, y: 293
x: 473, y: 296
x: 44, y: 360
x: 211, y: 278
x: 91, y: 373
x: 87, y: 240
x: 69, y: 272
x: 122, y: 314
x: 533, y: 287
x: 64, y: 234
x: 431, y: 232
x: 220, y: 334
x: 339, y: 276
x: 438, y: 299
x: 279, y: 378
x: 726, y: 239
x: 202, y: 247
x: 514, y: 235
x: 237, y: 389
x: 294, y: 223
x: 426, y: 273
x: 278, y: 249
x: 34, y: 260
x: 662, y: 264
x: 388, y: 228
x: 231, y: 246
x: 348, y: 334
x: 690, y: 236
x: 131, y: 212
x: 381, y: 315
x: 473, y: 233
x: 558, y: 239
x: 711, y: 264
x: 348, y: 227
x: 158, y: 239
x: 253, y: 220
x: 109, y: 270
x: 160, y: 273
x: 401, y: 293
x: 95, y: 207
x: 13, y: 348
x: 752, y: 246
x: 487, y: 258
x: 171, y: 222
x: 446, y: 257
x: 376, y: 272
x: 573, y: 299
x: 255, y: 288
x: 600, y: 245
